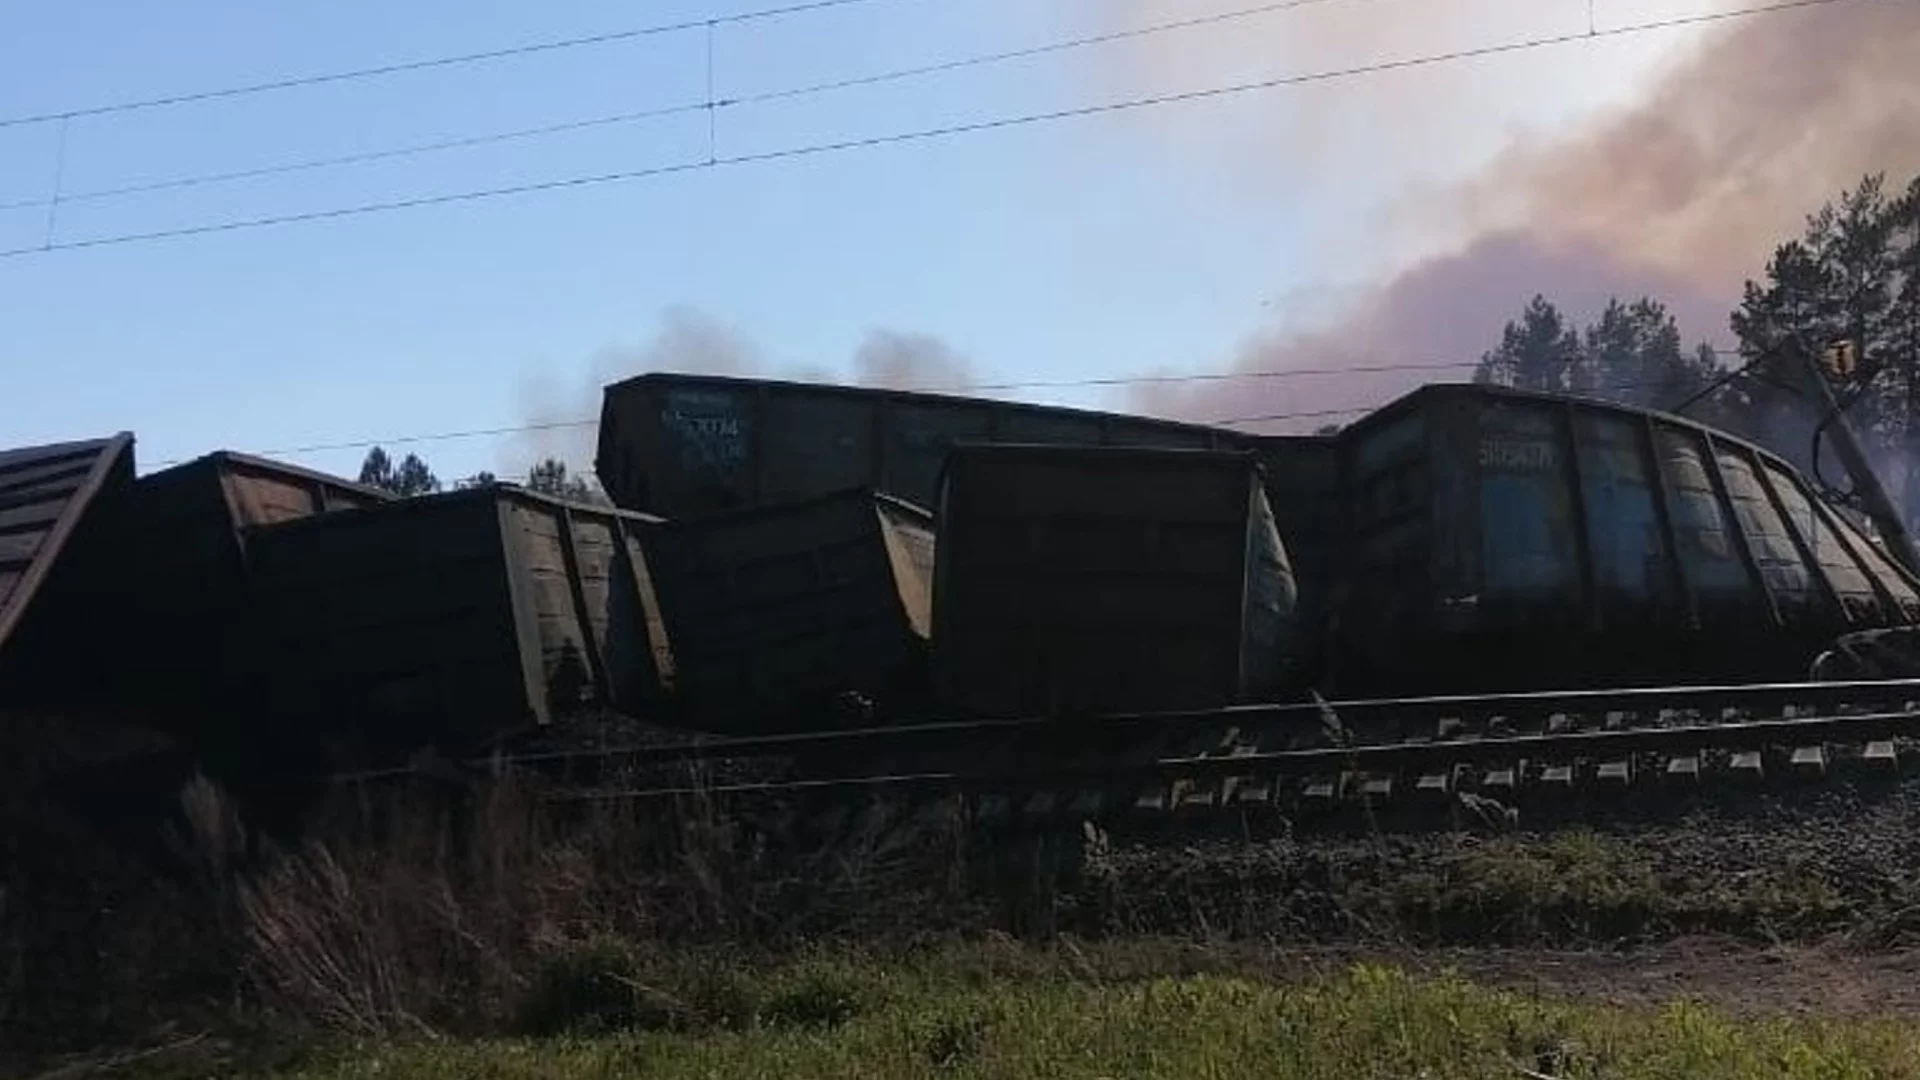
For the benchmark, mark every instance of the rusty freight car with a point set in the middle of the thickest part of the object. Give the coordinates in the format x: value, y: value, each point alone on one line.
x: 181, y: 560
x: 454, y: 620
x: 1083, y: 580
x: 1510, y: 540
x: 56, y: 506
x: 685, y: 445
x: 777, y: 614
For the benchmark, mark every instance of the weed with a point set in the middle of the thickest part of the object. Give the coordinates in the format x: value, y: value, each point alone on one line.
x: 956, y: 1039
x: 1362, y: 1021
x: 818, y: 996
x: 592, y: 987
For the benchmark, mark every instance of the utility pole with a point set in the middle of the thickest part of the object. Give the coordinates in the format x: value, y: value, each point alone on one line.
x: 1841, y: 357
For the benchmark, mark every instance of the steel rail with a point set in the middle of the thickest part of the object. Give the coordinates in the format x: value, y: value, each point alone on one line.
x: 1614, y: 744
x: 1811, y: 694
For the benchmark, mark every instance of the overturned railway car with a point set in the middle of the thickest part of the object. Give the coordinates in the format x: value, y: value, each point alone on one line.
x: 805, y: 614
x: 182, y: 578
x: 452, y: 620
x: 1505, y: 540
x: 1088, y: 580
x: 57, y: 504
x: 685, y: 445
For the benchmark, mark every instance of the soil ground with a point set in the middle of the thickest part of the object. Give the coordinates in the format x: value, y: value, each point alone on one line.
x: 1734, y: 977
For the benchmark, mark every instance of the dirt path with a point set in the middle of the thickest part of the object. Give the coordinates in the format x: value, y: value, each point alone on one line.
x: 1826, y: 980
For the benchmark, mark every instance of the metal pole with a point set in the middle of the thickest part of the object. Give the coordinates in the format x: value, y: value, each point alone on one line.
x: 1866, y: 482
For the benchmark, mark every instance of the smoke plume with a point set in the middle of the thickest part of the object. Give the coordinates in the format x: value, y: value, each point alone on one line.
x: 1680, y: 194
x: 559, y: 410
x: 1440, y: 313
x: 897, y: 361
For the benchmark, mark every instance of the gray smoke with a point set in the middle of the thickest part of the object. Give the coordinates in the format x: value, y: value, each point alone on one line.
x: 1681, y: 195
x: 1443, y: 310
x: 901, y: 361
x: 689, y: 341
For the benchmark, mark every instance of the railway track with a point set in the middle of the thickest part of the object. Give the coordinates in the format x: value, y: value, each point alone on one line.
x: 1403, y: 763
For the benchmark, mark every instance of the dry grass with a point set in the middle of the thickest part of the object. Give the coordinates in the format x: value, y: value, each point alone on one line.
x: 407, y: 913
x: 437, y: 917
x: 113, y: 914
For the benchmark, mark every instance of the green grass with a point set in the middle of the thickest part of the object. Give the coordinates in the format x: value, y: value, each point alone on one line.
x: 1573, y: 887
x: 991, y: 1014
x: 1580, y: 885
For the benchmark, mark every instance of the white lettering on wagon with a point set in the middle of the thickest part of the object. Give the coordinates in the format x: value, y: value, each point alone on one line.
x: 1516, y: 455
x: 708, y: 429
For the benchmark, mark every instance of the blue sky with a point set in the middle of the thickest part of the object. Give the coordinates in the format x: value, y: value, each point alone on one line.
x: 1068, y: 251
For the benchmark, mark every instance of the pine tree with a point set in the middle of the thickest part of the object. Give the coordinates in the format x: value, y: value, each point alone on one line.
x: 1540, y: 352
x: 412, y: 477
x: 551, y: 477
x: 377, y: 470
x: 1851, y: 276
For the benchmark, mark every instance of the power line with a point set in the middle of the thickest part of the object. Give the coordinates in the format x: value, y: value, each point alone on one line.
x: 1209, y: 376
x: 308, y: 164
x: 1581, y: 392
x: 1716, y: 384
x: 1037, y: 50
x: 1310, y: 414
x: 710, y: 104
x: 1197, y: 377
x: 425, y: 63
x: 1063, y: 384
x: 997, y: 123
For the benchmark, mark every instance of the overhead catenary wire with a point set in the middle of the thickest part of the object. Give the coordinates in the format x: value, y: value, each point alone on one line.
x: 923, y: 134
x: 425, y: 63
x: 1030, y: 51
x: 1194, y: 377
x: 365, y: 156
x: 1311, y: 414
x: 1587, y: 392
x: 1305, y: 414
x: 559, y: 425
x: 711, y: 105
x: 1725, y: 378
x: 1201, y: 376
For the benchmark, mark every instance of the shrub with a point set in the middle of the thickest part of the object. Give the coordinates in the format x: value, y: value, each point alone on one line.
x: 593, y: 987
x: 818, y: 996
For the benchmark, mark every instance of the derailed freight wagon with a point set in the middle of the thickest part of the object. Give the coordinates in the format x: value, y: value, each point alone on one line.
x: 1509, y: 540
x: 685, y: 445
x: 799, y: 615
x: 1305, y: 493
x: 454, y: 620
x: 56, y: 507
x: 181, y: 564
x: 1084, y: 580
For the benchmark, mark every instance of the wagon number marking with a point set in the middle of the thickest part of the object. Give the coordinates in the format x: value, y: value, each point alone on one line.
x: 1514, y: 455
